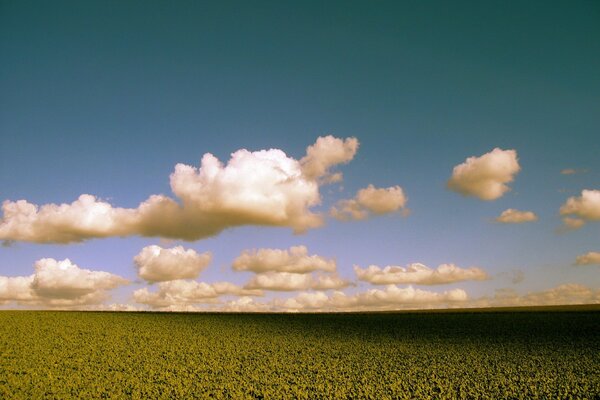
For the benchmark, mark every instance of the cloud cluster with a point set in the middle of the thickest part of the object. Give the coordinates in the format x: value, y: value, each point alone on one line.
x: 296, y: 260
x: 288, y: 281
x: 157, y: 264
x: 485, y: 177
x: 418, y: 274
x: 183, y: 292
x: 370, y: 201
x: 59, y: 284
x: 254, y: 188
x: 589, y: 258
x: 584, y: 208
x: 569, y: 293
x: 512, y: 216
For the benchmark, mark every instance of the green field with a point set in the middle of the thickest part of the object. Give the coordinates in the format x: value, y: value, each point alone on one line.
x: 541, y: 354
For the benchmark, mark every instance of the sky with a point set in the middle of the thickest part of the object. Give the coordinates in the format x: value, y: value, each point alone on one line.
x: 299, y: 156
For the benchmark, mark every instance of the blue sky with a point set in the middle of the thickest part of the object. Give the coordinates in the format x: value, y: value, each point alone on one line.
x: 105, y: 98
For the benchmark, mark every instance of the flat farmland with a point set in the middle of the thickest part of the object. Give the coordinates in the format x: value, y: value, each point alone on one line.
x: 461, y: 354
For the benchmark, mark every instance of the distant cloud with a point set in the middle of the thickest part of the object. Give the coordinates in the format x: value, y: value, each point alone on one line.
x: 573, y: 171
x: 419, y: 274
x: 287, y: 281
x: 565, y: 294
x: 156, y: 264
x: 370, y: 201
x: 254, y: 188
x: 514, y: 276
x: 512, y: 216
x: 485, y: 177
x: 590, y: 258
x: 184, y: 292
x: 59, y: 284
x: 296, y: 260
x: 585, y: 208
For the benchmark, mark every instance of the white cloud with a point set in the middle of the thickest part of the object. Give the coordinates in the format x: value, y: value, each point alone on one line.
x: 589, y: 258
x: 485, y: 177
x: 512, y: 216
x: 156, y: 264
x: 59, y: 284
x: 585, y: 208
x: 296, y: 260
x: 254, y: 188
x: 287, y: 281
x: 327, y: 152
x: 418, y: 274
x: 370, y: 201
x: 185, y: 292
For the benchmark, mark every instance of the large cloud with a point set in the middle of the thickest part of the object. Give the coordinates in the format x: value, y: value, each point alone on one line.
x: 254, y: 188
x: 296, y: 260
x: 287, y: 281
x: 185, y: 292
x: 512, y: 216
x: 584, y: 208
x: 156, y: 264
x: 419, y: 274
x: 59, y: 283
x: 485, y: 177
x: 589, y: 258
x: 370, y: 201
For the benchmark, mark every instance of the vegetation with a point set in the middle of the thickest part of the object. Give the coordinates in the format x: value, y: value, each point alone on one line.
x: 46, y: 354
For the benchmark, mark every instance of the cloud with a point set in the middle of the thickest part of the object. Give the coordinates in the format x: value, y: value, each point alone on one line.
x: 370, y: 201
x: 585, y: 208
x: 419, y: 274
x: 185, y: 292
x: 59, y: 284
x: 287, y: 281
x: 512, y: 216
x: 590, y: 258
x: 296, y: 260
x: 156, y: 264
x: 265, y: 188
x: 485, y: 177
x: 573, y: 171
x: 327, y: 152
x: 569, y: 293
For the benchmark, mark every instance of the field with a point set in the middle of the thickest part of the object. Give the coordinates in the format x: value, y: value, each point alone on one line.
x: 535, y: 354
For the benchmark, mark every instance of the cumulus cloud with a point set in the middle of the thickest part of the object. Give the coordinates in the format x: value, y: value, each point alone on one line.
x: 287, y: 281
x: 485, y: 177
x: 185, y: 292
x: 59, y: 284
x: 156, y: 264
x: 584, y: 208
x: 296, y: 260
x: 418, y: 274
x: 370, y: 201
x: 590, y: 258
x: 254, y: 188
x: 512, y: 216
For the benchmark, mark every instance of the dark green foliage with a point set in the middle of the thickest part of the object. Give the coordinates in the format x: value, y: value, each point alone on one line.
x: 237, y: 356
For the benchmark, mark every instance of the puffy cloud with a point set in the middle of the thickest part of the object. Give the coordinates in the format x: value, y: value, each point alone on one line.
x: 287, y: 281
x: 327, y: 152
x: 590, y: 258
x: 512, y: 216
x: 585, y: 208
x: 59, y: 284
x: 185, y: 292
x: 419, y: 274
x: 485, y: 177
x: 370, y: 201
x: 296, y: 260
x: 254, y: 188
x: 156, y: 264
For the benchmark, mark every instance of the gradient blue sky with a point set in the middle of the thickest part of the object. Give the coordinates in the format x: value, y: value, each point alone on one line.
x: 105, y: 97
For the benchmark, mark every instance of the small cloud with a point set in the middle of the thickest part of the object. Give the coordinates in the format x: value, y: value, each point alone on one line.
x: 485, y: 177
x: 515, y: 276
x: 295, y: 260
x: 419, y: 274
x: 590, y: 258
x: 156, y: 264
x: 583, y: 209
x: 573, y: 171
x: 370, y: 201
x: 512, y: 216
x: 287, y: 281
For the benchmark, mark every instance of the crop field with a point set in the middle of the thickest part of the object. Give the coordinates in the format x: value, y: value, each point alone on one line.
x: 541, y: 354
